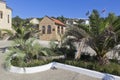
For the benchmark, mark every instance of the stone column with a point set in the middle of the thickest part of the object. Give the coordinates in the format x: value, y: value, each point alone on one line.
x: 64, y: 29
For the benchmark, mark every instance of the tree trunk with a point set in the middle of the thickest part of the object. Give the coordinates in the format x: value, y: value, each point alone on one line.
x: 79, y: 49
x: 103, y: 60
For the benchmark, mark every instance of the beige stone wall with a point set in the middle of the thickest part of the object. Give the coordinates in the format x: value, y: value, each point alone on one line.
x: 4, y: 24
x: 45, y: 22
x: 54, y: 30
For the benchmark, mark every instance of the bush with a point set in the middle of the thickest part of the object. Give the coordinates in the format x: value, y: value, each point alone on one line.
x: 70, y: 53
x: 27, y: 53
x: 37, y: 63
x: 17, y: 62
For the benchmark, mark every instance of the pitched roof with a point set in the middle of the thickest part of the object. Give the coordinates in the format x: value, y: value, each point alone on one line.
x: 57, y: 21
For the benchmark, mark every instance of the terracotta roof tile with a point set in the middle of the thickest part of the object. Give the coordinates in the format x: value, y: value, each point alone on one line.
x: 58, y: 22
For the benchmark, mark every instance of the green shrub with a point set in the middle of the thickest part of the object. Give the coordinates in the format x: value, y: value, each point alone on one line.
x: 17, y: 62
x: 32, y: 63
x: 116, y: 72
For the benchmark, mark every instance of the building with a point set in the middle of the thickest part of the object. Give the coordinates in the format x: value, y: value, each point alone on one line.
x: 5, y: 16
x: 51, y: 29
x: 72, y: 22
x: 85, y: 21
x: 35, y: 23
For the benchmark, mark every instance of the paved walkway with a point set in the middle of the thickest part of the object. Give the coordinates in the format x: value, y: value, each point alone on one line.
x: 58, y: 74
x: 4, y: 44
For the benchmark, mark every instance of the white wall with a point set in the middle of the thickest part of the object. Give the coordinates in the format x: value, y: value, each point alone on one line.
x: 34, y: 21
x: 4, y: 21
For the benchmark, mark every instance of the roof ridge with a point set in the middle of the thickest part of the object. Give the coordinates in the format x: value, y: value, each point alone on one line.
x: 56, y: 20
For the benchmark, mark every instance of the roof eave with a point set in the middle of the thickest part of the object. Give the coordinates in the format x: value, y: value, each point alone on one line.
x: 9, y: 8
x: 60, y: 24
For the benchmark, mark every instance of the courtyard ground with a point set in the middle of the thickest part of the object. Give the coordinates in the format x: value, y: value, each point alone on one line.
x: 57, y: 74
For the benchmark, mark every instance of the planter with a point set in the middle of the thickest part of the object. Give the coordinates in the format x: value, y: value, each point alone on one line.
x: 30, y: 69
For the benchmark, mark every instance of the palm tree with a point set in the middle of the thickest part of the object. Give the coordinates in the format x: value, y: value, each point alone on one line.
x: 101, y: 35
x: 78, y: 35
x: 5, y: 33
x: 21, y: 31
x: 26, y: 51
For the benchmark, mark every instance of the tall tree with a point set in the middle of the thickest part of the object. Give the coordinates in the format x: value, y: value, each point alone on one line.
x: 62, y: 19
x: 16, y: 21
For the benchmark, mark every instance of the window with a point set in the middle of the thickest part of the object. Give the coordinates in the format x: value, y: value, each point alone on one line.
x: 53, y: 29
x: 58, y: 30
x: 8, y: 19
x: 43, y: 29
x: 1, y: 14
x: 62, y: 29
x: 49, y: 29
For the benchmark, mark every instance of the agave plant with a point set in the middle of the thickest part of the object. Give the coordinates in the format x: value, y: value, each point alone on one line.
x: 101, y: 35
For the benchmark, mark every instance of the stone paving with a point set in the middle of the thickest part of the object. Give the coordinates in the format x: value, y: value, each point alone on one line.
x: 58, y: 74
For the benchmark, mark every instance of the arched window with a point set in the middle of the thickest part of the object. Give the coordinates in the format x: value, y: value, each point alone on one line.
x: 1, y: 14
x: 62, y: 29
x: 49, y: 29
x: 58, y: 29
x: 43, y: 29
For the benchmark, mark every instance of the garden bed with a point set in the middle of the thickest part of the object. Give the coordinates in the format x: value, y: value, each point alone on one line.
x: 35, y: 62
x: 112, y: 68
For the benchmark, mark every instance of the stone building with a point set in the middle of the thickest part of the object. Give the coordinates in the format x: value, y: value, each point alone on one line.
x: 51, y: 29
x: 5, y: 16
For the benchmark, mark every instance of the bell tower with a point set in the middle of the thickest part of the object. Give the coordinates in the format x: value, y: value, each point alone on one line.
x: 5, y: 16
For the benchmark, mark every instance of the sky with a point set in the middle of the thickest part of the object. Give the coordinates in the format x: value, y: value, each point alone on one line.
x: 66, y: 8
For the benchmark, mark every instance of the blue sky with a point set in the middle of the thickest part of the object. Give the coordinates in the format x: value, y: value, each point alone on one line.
x: 67, y: 8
